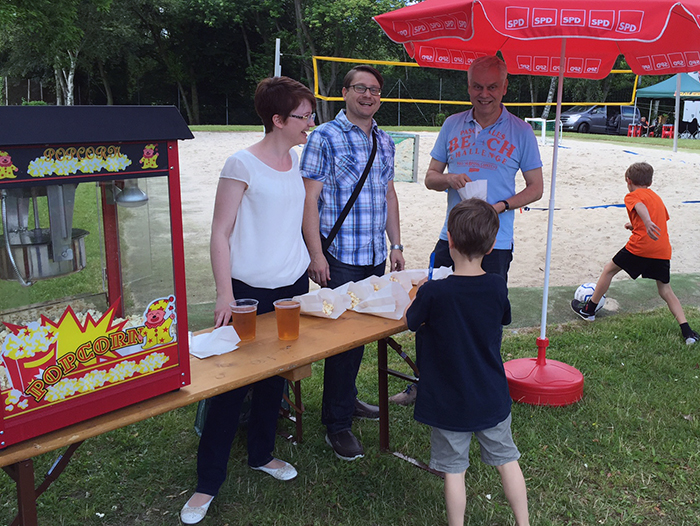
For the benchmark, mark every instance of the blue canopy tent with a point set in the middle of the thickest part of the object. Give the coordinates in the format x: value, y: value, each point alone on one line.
x: 680, y: 86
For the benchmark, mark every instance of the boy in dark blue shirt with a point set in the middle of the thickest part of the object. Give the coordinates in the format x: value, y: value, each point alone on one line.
x: 463, y: 388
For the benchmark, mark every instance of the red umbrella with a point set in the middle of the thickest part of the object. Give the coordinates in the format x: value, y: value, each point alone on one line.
x: 564, y: 38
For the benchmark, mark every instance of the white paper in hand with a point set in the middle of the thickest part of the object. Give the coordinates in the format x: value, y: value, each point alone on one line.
x: 474, y: 189
x: 219, y: 341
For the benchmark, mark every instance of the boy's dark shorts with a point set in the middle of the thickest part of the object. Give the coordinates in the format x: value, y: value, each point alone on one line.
x: 658, y: 269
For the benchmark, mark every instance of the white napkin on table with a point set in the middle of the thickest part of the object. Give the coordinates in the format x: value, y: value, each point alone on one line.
x: 219, y: 341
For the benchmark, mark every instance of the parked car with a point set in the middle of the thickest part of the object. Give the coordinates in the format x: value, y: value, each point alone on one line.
x: 600, y: 119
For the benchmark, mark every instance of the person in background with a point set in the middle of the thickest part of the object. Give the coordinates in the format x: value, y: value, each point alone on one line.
x: 486, y: 143
x: 464, y: 391
x: 332, y: 164
x: 647, y: 253
x: 257, y: 251
x: 645, y: 126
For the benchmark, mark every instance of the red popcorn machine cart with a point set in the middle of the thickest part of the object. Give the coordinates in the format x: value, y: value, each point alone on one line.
x: 93, y: 310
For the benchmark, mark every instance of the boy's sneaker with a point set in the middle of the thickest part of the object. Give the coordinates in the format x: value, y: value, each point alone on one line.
x: 345, y: 445
x: 693, y: 338
x: 406, y: 397
x: 579, y: 308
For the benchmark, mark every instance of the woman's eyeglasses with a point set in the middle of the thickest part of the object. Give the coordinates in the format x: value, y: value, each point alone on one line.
x: 311, y: 117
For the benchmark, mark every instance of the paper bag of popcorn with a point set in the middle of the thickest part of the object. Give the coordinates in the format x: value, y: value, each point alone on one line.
x: 407, y: 278
x: 388, y: 299
x: 355, y: 292
x: 324, y: 303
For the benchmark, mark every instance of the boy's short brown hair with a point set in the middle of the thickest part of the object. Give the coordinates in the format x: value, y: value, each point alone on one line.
x: 640, y: 174
x: 473, y: 225
x: 280, y: 96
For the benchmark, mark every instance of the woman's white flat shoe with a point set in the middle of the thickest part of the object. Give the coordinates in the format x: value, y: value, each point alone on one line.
x: 286, y: 472
x: 193, y: 515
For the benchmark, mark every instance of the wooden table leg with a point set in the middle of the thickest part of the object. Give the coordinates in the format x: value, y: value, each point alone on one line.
x: 382, y: 366
x: 23, y: 475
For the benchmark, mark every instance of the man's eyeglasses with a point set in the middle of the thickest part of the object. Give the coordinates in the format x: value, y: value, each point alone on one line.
x: 311, y: 117
x: 359, y: 88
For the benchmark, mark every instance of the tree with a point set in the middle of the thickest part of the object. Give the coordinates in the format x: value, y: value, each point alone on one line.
x: 48, y: 34
x: 340, y: 28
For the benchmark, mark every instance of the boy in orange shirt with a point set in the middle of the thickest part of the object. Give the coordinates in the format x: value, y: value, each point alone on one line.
x: 648, y: 251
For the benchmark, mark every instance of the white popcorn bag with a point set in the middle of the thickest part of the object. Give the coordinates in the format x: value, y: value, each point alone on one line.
x: 407, y: 278
x: 324, y: 303
x: 356, y: 292
x: 389, y: 301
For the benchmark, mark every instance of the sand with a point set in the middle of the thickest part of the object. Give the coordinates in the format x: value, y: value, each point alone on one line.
x: 589, y: 174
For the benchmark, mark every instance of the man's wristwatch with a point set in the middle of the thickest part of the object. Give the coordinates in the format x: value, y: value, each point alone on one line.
x: 505, y: 203
x: 396, y: 247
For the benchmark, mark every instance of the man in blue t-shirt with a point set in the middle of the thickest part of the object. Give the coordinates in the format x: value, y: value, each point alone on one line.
x: 486, y: 143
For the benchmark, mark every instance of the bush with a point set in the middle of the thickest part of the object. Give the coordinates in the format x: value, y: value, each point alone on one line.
x: 33, y: 102
x: 440, y: 119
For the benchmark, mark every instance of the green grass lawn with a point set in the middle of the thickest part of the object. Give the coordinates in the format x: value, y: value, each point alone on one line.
x: 628, y: 453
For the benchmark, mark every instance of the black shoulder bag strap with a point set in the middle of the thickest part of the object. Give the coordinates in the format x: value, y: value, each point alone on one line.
x: 325, y: 243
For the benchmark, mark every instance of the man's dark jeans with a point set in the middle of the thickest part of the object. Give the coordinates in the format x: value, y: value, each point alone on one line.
x: 340, y: 372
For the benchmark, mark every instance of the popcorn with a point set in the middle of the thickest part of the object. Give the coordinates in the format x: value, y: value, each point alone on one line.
x: 354, y: 299
x: 4, y: 380
x: 328, y: 308
x: 80, y: 307
x: 98, y: 377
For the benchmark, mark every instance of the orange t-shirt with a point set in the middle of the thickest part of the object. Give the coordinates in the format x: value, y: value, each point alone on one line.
x: 640, y: 244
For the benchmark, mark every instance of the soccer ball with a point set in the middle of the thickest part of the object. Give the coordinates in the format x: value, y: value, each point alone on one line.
x: 584, y: 293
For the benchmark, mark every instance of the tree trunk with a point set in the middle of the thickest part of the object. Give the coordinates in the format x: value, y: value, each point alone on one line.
x: 59, y: 86
x: 65, y: 80
x: 247, y: 45
x: 183, y: 96
x: 550, y: 97
x: 325, y: 108
x: 533, y: 96
x: 105, y: 83
x: 195, y: 101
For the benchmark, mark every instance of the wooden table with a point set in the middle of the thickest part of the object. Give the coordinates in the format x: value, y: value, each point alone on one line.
x: 264, y: 357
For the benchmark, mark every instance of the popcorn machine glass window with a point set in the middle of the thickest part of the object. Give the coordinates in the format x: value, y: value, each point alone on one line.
x: 92, y: 293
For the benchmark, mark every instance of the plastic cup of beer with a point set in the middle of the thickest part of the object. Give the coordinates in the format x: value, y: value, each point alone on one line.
x: 243, y: 314
x: 287, y: 312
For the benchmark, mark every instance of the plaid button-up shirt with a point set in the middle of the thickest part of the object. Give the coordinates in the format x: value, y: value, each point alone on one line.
x: 336, y: 155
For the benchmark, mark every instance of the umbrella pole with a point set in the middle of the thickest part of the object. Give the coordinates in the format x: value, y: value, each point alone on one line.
x: 677, y: 119
x: 550, y: 224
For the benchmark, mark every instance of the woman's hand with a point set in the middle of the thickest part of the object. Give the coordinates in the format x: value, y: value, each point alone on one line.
x: 222, y: 311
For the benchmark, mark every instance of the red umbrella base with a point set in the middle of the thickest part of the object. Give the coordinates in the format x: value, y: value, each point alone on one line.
x: 551, y: 383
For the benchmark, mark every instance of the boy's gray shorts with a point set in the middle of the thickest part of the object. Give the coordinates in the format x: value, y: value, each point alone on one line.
x: 449, y: 450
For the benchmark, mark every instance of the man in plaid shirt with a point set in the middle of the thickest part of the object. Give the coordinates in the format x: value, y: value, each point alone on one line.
x: 332, y: 163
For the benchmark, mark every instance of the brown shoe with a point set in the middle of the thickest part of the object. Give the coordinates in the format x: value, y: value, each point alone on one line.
x: 406, y: 397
